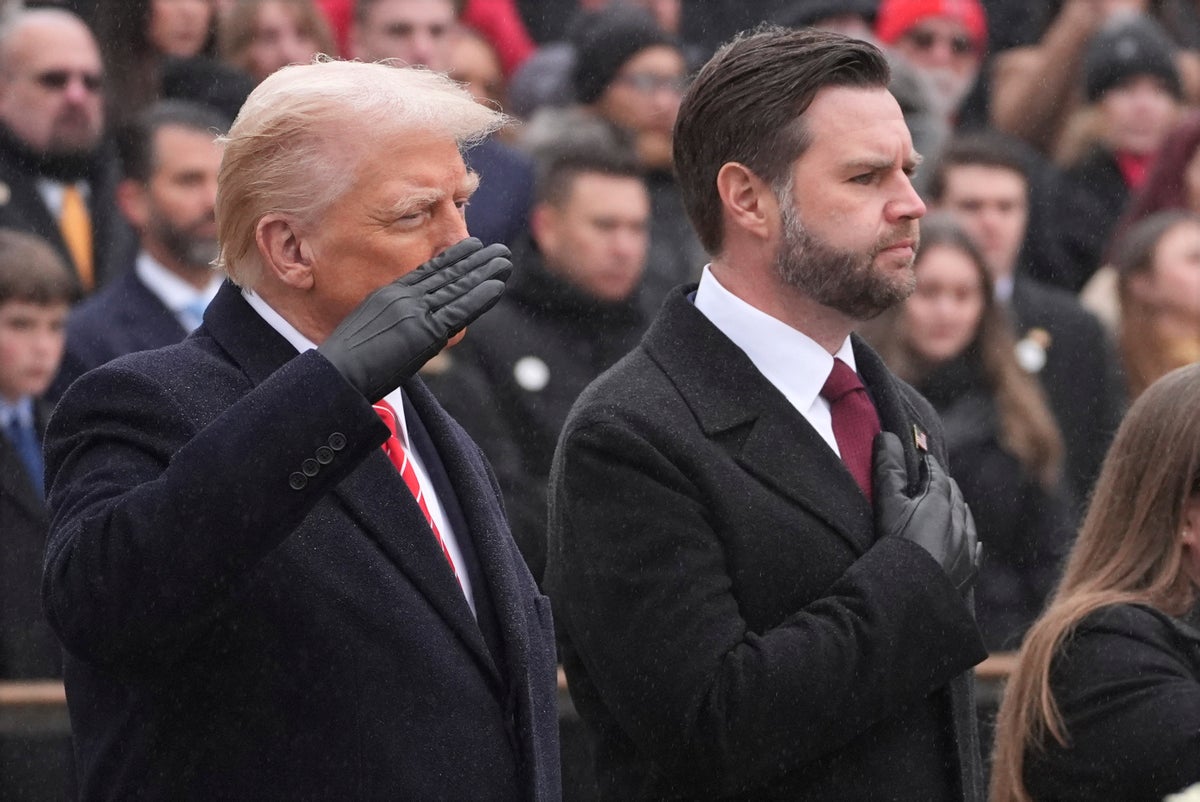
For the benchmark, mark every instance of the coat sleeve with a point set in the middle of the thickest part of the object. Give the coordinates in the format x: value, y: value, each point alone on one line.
x: 643, y: 594
x: 159, y: 522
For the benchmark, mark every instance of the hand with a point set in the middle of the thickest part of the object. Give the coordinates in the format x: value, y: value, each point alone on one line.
x: 397, y: 328
x: 936, y: 519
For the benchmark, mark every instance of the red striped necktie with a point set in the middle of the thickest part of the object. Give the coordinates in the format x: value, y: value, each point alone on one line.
x: 855, y: 422
x: 399, y: 457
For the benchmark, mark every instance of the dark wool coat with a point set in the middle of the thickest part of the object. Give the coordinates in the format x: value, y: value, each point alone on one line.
x: 253, y: 604
x: 730, y: 625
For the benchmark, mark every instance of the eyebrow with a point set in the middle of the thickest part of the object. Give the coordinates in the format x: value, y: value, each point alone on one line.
x: 873, y: 164
x: 422, y: 198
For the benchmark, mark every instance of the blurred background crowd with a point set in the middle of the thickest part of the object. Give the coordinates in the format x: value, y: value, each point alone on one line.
x: 1058, y: 277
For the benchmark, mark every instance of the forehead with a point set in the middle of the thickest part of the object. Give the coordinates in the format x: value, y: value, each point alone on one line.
x: 397, y: 166
x: 48, y: 45
x: 410, y: 12
x: 174, y: 144
x: 983, y: 182
x: 621, y: 193
x: 658, y: 59
x: 849, y: 125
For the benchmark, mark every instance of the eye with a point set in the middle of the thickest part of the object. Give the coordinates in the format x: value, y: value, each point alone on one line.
x: 864, y: 179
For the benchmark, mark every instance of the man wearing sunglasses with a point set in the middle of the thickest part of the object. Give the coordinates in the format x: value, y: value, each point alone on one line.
x: 943, y: 39
x: 57, y: 177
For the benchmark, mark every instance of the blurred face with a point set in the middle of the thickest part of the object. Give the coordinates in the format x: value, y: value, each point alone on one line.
x: 1137, y: 114
x: 1173, y: 284
x: 992, y: 204
x: 174, y: 211
x: 1191, y: 179
x: 849, y: 228
x: 645, y: 94
x: 32, y: 337
x: 943, y: 49
x: 942, y: 316
x: 597, y: 240
x: 417, y: 32
x: 51, y: 94
x: 278, y: 40
x: 473, y: 62
x: 405, y: 206
x: 180, y: 27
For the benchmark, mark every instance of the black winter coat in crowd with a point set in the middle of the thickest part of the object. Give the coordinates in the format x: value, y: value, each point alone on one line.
x: 1128, y: 687
x: 531, y: 356
x: 1026, y: 529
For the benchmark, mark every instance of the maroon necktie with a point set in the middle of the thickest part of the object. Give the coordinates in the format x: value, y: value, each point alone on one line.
x: 855, y: 422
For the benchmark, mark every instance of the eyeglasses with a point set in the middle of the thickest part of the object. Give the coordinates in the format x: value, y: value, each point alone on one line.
x: 647, y: 83
x: 58, y: 80
x: 922, y: 39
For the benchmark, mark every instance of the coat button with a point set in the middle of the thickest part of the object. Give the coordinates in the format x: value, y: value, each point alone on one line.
x: 310, y: 467
x: 298, y: 481
x: 324, y: 455
x: 337, y: 441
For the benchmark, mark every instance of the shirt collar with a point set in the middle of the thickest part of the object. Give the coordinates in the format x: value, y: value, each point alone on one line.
x: 22, y: 412
x: 175, y: 293
x: 793, y: 362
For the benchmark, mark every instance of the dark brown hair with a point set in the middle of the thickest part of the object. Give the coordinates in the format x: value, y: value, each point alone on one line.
x: 32, y: 271
x: 746, y: 106
x: 978, y: 149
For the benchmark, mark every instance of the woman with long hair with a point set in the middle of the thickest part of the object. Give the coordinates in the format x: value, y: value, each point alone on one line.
x: 954, y: 343
x: 1157, y: 264
x: 261, y: 36
x: 1105, y: 701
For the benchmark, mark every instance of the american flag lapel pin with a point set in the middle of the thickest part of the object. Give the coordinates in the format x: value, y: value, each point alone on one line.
x: 919, y: 439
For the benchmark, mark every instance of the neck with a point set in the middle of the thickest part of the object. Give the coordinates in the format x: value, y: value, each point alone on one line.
x: 291, y: 306
x: 763, y: 290
x: 64, y: 167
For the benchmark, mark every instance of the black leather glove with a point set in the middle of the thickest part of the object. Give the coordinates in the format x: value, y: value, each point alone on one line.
x: 936, y: 519
x: 400, y: 326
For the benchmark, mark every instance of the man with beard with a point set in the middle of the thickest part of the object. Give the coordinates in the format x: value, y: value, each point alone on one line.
x: 759, y: 568
x: 57, y: 177
x: 171, y: 157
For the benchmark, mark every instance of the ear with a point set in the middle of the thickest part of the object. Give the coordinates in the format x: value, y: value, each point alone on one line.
x: 285, y: 253
x: 132, y: 200
x: 749, y: 202
x: 543, y: 225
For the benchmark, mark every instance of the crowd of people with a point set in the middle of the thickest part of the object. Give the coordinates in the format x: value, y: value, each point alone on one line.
x: 676, y: 199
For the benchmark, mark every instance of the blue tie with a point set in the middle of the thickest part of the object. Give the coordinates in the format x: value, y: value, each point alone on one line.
x: 25, y: 440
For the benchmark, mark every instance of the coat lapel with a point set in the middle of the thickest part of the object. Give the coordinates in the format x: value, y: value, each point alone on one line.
x: 764, y: 433
x: 508, y: 590
x: 374, y: 493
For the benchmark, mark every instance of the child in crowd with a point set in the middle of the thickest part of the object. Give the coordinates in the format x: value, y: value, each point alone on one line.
x: 36, y: 290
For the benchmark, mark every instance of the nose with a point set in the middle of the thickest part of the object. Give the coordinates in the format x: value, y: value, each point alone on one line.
x: 907, y: 204
x: 453, y: 230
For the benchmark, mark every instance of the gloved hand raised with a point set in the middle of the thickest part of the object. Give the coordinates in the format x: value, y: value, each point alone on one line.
x: 936, y: 519
x: 397, y: 328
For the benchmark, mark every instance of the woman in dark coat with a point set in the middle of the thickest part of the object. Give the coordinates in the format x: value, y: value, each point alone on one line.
x: 1105, y: 702
x: 952, y: 341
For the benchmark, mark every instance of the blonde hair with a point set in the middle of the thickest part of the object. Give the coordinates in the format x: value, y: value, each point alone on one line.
x: 296, y: 144
x: 1128, y: 551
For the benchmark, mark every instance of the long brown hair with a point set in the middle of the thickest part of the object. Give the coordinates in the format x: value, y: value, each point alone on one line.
x: 1145, y: 352
x: 1128, y: 551
x: 1027, y: 427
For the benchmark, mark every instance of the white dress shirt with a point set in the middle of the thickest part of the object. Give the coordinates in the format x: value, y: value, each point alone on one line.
x: 395, y: 398
x: 793, y: 362
x: 176, y: 294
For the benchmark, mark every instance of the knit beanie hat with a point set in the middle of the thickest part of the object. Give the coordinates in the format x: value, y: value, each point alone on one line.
x: 606, y: 41
x: 1132, y: 46
x: 897, y: 16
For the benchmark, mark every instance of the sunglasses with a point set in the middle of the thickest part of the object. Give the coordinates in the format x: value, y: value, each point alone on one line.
x: 58, y: 80
x: 921, y: 39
